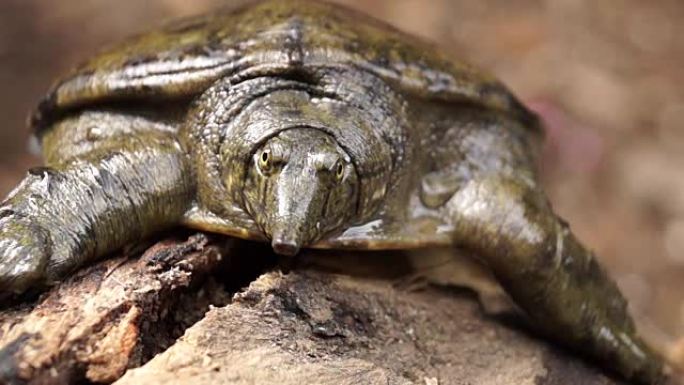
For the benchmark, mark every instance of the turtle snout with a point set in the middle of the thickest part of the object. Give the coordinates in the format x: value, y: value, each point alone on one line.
x: 285, y: 247
x: 284, y: 243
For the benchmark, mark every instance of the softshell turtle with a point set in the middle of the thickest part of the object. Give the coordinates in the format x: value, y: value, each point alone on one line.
x: 306, y: 125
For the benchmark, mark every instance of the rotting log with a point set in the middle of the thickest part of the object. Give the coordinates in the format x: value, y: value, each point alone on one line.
x: 144, y: 320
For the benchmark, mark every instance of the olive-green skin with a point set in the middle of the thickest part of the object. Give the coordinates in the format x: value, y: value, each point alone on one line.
x: 306, y: 125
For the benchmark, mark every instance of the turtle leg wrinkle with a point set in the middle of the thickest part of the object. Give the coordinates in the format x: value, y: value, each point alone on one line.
x: 548, y: 272
x: 62, y: 216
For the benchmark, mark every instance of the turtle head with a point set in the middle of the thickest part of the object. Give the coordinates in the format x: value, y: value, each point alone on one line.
x: 300, y: 185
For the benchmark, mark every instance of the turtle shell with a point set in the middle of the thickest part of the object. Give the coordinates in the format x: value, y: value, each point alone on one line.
x: 184, y: 58
x: 275, y: 37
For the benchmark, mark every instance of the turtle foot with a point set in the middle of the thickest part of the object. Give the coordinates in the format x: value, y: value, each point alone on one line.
x: 24, y: 253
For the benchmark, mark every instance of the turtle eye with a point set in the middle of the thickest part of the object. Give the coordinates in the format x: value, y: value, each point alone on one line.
x: 339, y: 171
x: 265, y: 161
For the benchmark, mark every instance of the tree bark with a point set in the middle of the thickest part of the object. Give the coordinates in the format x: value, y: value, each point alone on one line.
x: 144, y: 320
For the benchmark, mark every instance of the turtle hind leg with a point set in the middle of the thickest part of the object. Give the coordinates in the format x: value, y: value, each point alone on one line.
x: 548, y: 272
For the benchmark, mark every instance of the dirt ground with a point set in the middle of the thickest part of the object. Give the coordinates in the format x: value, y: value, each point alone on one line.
x: 605, y: 76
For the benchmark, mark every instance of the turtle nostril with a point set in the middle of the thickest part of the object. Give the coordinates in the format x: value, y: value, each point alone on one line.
x: 285, y: 246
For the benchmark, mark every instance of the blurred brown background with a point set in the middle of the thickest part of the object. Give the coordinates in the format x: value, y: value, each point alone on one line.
x: 606, y: 76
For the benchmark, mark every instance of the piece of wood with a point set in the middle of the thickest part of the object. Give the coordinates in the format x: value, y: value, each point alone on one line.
x: 111, y: 316
x: 304, y: 327
x: 317, y: 328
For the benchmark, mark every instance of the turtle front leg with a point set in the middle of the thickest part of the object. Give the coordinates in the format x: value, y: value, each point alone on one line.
x: 549, y: 273
x: 63, y: 216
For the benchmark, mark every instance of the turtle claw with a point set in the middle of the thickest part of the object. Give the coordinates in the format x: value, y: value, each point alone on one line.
x: 24, y: 254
